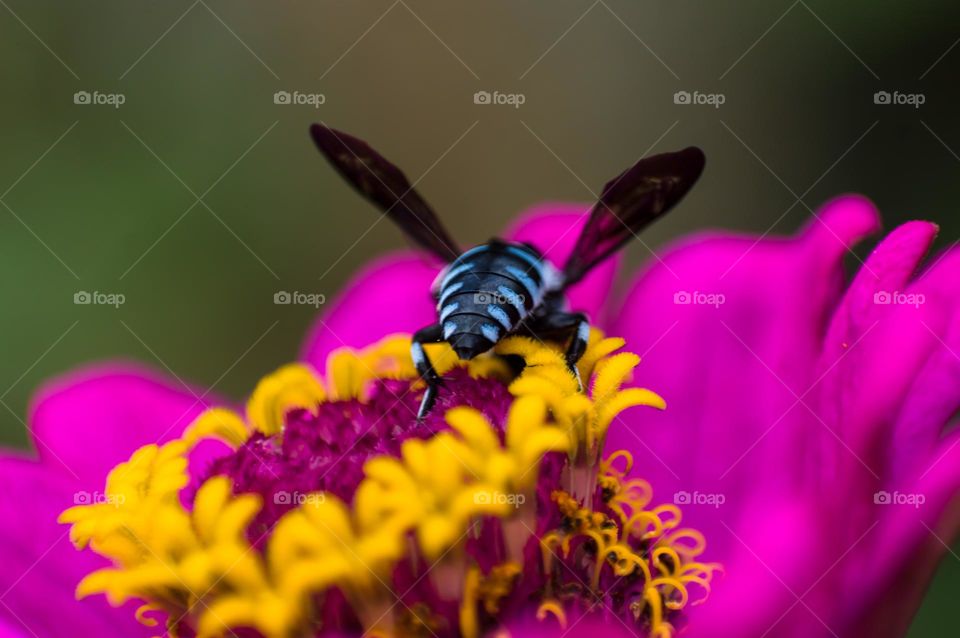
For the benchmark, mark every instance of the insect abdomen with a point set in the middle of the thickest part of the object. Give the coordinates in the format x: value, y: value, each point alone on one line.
x: 486, y: 293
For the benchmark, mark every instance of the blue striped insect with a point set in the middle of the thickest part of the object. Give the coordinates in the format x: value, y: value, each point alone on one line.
x: 501, y: 288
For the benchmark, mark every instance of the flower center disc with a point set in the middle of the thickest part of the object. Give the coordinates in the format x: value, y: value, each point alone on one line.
x: 337, y: 511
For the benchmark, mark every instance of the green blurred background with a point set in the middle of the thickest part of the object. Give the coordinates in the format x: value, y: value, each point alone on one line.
x: 97, y: 198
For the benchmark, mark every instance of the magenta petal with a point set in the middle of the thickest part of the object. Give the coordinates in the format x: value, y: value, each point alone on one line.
x: 887, y: 269
x: 874, y: 348
x: 40, y: 567
x: 390, y: 295
x: 912, y: 540
x: 730, y: 330
x: 554, y: 229
x: 769, y: 566
x: 86, y: 422
x: 934, y: 393
x: 8, y: 631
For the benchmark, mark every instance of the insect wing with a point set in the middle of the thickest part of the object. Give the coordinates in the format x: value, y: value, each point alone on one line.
x: 630, y: 202
x: 381, y: 182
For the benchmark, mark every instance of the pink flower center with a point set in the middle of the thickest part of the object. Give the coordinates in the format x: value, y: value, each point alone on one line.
x: 326, y: 451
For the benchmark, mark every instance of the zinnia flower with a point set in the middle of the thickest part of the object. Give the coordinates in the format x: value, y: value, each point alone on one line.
x: 802, y: 443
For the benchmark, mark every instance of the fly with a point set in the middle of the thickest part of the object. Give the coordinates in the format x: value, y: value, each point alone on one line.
x: 501, y: 287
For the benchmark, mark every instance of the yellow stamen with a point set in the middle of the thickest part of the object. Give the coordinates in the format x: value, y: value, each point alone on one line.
x: 469, y: 625
x: 141, y: 614
x: 497, y: 585
x: 553, y: 608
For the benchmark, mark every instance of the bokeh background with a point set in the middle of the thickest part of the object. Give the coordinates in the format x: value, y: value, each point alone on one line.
x: 199, y: 197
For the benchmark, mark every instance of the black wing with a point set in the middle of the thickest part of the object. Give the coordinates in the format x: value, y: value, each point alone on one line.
x: 385, y: 185
x: 630, y: 202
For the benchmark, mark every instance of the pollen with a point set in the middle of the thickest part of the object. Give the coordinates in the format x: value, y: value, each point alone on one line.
x: 337, y: 512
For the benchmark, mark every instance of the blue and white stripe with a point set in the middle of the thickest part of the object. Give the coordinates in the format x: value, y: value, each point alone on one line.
x: 449, y: 328
x: 501, y: 316
x: 455, y: 272
x: 513, y: 299
x: 448, y: 310
x: 449, y: 291
x: 490, y: 332
x: 514, y: 274
x: 526, y: 256
x: 532, y: 288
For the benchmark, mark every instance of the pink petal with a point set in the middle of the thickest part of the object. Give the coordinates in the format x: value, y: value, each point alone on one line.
x: 40, y: 566
x: 896, y: 571
x: 912, y: 540
x: 390, y: 295
x: 873, y: 350
x: 762, y: 579
x: 890, y: 392
x: 934, y: 393
x: 86, y: 422
x: 8, y: 631
x: 731, y: 373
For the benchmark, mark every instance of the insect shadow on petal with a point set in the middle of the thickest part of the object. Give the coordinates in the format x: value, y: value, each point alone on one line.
x: 501, y: 287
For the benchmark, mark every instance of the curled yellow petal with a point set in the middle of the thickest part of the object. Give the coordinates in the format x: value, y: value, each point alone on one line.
x: 292, y: 386
x: 219, y: 423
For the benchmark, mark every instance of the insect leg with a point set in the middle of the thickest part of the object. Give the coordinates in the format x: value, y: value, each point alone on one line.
x: 562, y: 324
x: 430, y: 334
